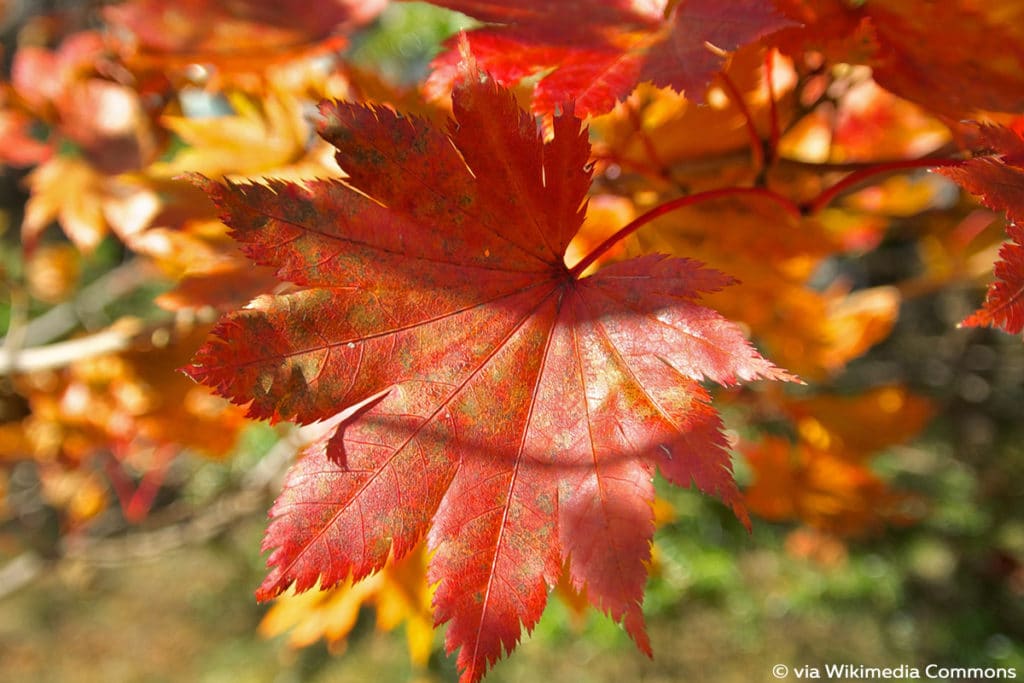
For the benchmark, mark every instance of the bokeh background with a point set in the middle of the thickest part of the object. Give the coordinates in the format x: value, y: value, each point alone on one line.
x: 111, y: 573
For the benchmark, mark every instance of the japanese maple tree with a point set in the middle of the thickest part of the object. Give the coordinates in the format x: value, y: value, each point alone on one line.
x: 502, y: 288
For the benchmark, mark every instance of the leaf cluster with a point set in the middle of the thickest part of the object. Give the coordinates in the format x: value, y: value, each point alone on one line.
x: 506, y: 293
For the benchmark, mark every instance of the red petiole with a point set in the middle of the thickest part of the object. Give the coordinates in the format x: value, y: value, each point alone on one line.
x: 679, y: 203
x: 857, y: 177
x: 808, y: 208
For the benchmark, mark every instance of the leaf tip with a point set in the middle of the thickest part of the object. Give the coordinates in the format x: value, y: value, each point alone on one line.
x: 465, y: 51
x: 192, y: 371
x: 198, y: 179
x: 740, y: 510
x: 328, y: 117
x: 276, y: 581
x: 264, y: 594
x: 468, y: 68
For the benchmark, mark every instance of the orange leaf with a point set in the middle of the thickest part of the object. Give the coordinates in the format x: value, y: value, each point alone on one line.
x: 818, y: 487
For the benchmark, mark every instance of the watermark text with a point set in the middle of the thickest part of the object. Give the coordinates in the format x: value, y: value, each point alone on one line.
x: 860, y: 672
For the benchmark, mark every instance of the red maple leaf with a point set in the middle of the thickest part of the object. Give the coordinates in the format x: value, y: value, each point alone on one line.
x: 480, y: 392
x: 594, y: 52
x: 999, y: 181
x: 229, y: 38
x: 1004, y: 302
x: 210, y: 27
x: 953, y: 57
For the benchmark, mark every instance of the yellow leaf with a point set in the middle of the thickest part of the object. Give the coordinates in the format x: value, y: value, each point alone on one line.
x: 399, y: 592
x: 68, y: 190
x: 260, y: 137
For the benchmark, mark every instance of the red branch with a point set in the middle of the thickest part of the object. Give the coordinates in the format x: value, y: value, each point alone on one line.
x: 827, y: 195
x: 797, y: 210
x: 680, y: 203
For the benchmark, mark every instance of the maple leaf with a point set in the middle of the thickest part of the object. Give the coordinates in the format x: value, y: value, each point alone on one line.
x: 479, y: 391
x: 265, y: 135
x: 1004, y: 302
x: 399, y: 592
x: 814, y: 333
x: 229, y: 34
x: 685, y: 131
x: 133, y: 400
x: 821, y: 488
x: 999, y: 181
x: 824, y: 478
x: 595, y: 52
x: 953, y: 57
x: 861, y: 424
x: 87, y: 203
x: 69, y: 190
x: 107, y: 121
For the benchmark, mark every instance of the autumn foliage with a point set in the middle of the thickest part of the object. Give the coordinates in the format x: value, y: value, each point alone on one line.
x: 505, y: 298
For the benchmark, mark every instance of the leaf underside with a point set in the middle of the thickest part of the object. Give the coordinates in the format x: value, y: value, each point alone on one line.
x: 999, y: 182
x: 510, y: 412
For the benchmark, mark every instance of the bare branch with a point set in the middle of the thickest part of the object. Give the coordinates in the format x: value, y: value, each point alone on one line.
x: 116, y: 338
x: 64, y: 317
x: 256, y: 488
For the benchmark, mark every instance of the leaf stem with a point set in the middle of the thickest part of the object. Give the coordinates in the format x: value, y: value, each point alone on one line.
x: 679, y: 203
x: 756, y: 143
x: 852, y: 180
x: 654, y: 175
x: 797, y: 210
x: 645, y: 140
x: 773, y: 112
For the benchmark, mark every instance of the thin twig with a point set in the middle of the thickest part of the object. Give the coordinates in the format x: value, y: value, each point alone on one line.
x: 756, y: 143
x: 251, y: 498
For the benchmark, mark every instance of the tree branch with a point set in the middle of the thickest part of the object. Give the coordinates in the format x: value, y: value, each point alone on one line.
x: 64, y: 317
x: 111, y: 340
x: 853, y: 180
x: 251, y: 497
